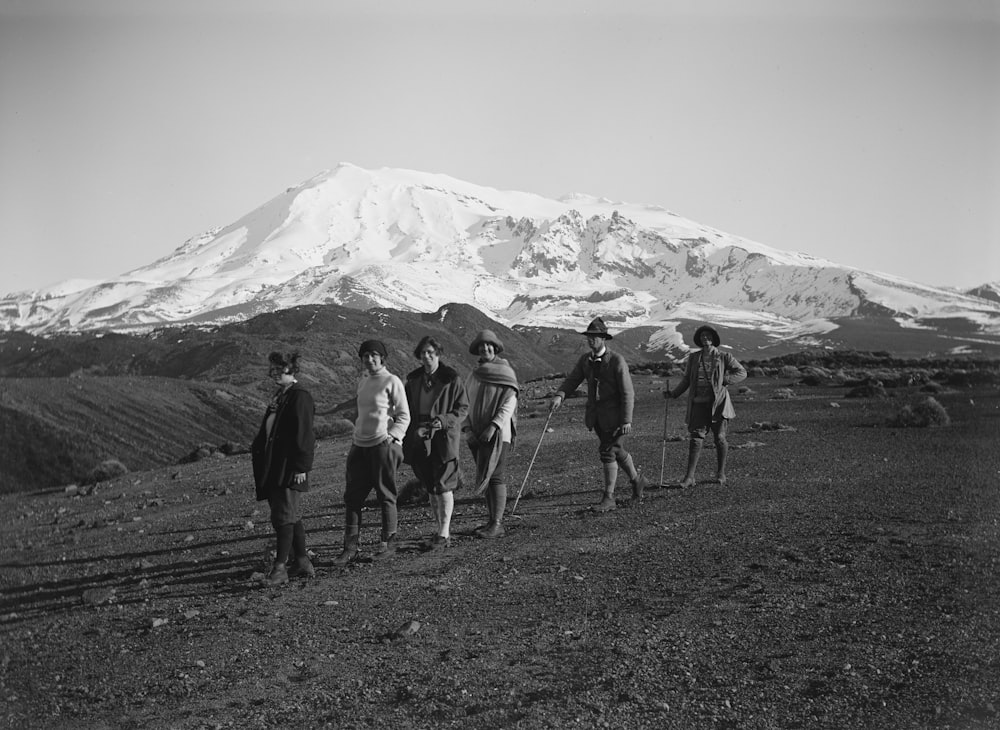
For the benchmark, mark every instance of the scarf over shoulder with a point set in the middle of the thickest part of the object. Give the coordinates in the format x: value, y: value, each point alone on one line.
x: 493, y: 380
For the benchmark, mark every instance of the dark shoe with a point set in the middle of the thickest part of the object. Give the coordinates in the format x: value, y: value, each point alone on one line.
x: 491, y: 531
x: 437, y: 543
x: 277, y: 576
x: 302, y: 568
x: 606, y: 504
x: 386, y: 549
x: 639, y: 485
x: 349, y: 553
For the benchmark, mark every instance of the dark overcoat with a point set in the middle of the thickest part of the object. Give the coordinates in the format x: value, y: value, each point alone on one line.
x: 288, y: 450
x: 450, y: 404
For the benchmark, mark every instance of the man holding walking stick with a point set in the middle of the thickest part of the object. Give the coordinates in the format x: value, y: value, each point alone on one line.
x: 610, y: 400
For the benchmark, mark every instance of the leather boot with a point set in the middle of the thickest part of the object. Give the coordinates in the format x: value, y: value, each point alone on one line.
x: 351, y: 535
x: 639, y: 485
x: 302, y: 567
x: 387, y: 548
x: 489, y: 510
x: 491, y: 531
x: 278, y: 575
x: 607, y: 502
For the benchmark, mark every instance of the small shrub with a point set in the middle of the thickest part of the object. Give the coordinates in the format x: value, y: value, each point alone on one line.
x: 202, y: 451
x: 107, y: 469
x: 871, y: 389
x: 928, y: 412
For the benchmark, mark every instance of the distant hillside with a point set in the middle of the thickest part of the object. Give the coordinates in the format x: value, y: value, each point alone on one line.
x: 67, y: 402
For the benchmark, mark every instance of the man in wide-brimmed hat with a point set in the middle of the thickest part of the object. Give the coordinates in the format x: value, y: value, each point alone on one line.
x: 707, y: 373
x: 610, y: 400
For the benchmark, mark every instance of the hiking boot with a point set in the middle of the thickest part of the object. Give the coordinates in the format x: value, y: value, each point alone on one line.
x: 386, y: 549
x: 302, y: 568
x: 437, y: 542
x: 639, y: 485
x: 606, y: 504
x: 492, y: 530
x: 277, y: 576
x: 349, y: 552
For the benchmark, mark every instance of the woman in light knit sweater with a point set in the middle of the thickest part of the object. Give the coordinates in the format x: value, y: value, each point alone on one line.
x: 376, y: 451
x: 491, y: 426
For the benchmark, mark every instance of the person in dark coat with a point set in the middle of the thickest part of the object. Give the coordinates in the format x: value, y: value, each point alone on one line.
x: 610, y: 401
x: 707, y: 374
x: 282, y: 455
x: 438, y: 404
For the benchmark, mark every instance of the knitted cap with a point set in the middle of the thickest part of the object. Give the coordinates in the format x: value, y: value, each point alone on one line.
x: 373, y: 346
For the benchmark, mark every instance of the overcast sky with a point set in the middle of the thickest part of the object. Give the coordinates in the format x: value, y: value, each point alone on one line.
x: 866, y: 132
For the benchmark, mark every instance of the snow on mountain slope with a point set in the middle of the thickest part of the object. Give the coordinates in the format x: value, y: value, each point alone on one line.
x: 412, y: 240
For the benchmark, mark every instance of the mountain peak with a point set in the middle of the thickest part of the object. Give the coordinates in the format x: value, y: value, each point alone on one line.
x: 412, y: 240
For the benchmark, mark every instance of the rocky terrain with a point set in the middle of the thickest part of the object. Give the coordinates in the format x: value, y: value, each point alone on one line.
x: 847, y: 577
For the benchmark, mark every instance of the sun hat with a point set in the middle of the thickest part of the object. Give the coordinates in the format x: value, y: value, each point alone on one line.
x: 597, y: 328
x: 711, y: 330
x: 485, y: 336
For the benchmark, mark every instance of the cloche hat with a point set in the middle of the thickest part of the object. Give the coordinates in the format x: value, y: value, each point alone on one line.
x: 373, y: 346
x: 485, y: 336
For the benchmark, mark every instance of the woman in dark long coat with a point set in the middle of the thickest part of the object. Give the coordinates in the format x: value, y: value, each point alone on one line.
x: 432, y: 445
x: 282, y: 459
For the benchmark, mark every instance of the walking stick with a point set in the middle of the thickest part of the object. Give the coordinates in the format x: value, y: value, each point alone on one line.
x: 530, y: 463
x: 663, y: 451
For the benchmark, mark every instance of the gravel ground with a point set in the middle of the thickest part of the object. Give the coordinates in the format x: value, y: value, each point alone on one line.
x: 847, y: 577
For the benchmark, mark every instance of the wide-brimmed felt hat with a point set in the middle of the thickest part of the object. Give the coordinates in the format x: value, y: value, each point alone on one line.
x: 485, y: 336
x: 711, y: 330
x: 597, y: 328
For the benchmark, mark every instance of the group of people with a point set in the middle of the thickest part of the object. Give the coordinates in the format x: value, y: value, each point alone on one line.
x: 421, y: 422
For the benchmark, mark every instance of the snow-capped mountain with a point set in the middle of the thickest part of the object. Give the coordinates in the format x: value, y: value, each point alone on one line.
x: 414, y: 241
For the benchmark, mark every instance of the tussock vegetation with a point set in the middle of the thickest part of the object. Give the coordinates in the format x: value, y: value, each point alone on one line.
x: 105, y: 471
x: 928, y: 412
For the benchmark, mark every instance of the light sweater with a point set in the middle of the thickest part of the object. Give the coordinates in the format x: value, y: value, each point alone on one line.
x: 382, y: 409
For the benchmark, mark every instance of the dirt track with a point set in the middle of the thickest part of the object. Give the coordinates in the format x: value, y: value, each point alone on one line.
x: 847, y: 578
